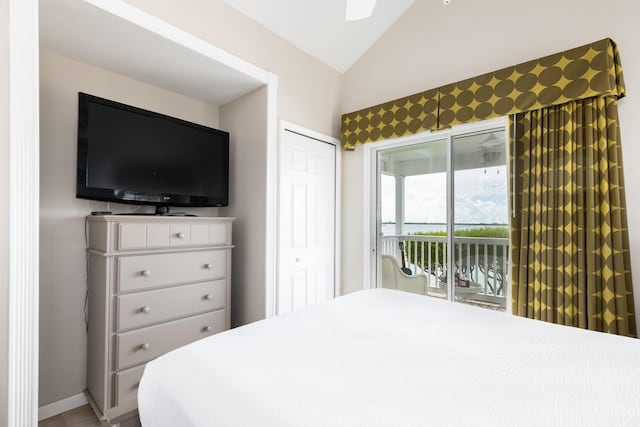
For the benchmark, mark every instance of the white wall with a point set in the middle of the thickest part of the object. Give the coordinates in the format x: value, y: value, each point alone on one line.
x: 432, y: 45
x: 4, y: 208
x: 309, y: 91
x: 246, y: 121
x: 62, y: 242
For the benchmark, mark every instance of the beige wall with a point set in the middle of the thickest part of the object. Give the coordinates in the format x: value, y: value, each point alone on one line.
x: 431, y: 45
x: 308, y: 91
x: 4, y: 209
x: 246, y: 121
x: 62, y: 244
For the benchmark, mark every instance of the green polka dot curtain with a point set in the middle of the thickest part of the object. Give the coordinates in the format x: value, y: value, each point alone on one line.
x: 578, y: 73
x: 570, y: 244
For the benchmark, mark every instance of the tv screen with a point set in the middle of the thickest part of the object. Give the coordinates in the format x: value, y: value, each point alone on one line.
x: 130, y: 155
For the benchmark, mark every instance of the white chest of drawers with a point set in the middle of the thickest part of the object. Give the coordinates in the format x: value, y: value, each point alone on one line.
x: 155, y: 284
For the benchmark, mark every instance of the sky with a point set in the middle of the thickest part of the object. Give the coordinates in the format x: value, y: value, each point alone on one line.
x: 480, y: 197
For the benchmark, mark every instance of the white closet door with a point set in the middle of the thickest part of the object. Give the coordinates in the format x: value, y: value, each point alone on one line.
x: 307, y: 239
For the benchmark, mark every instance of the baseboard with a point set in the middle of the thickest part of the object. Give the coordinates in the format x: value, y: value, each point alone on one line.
x: 61, y: 406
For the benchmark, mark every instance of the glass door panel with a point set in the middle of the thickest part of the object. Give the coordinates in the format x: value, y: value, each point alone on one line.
x: 481, y: 218
x: 412, y: 217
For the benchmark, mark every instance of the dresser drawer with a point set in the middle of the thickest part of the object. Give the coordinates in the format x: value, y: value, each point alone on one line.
x: 144, y: 308
x: 157, y: 235
x: 127, y: 383
x: 142, y: 345
x: 147, y: 271
x: 134, y: 235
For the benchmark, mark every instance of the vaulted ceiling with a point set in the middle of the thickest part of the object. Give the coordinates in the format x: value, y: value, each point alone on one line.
x: 318, y: 27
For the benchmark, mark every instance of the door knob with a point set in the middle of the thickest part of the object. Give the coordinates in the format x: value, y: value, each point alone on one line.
x: 145, y: 309
x: 180, y: 235
x: 146, y: 273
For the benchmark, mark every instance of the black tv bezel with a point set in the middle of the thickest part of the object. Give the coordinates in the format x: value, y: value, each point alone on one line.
x: 120, y: 195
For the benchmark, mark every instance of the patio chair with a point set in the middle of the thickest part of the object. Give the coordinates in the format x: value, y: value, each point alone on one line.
x: 394, y: 278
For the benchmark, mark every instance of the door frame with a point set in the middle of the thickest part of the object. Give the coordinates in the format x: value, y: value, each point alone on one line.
x: 371, y: 206
x: 285, y: 126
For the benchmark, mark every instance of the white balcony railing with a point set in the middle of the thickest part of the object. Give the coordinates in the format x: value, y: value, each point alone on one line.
x: 483, y: 261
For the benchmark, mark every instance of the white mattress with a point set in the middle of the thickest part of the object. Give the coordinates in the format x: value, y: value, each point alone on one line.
x: 389, y: 358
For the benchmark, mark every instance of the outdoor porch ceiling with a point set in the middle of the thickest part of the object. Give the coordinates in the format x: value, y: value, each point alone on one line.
x: 482, y: 150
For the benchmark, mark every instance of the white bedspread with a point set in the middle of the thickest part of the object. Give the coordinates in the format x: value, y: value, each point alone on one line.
x: 389, y: 358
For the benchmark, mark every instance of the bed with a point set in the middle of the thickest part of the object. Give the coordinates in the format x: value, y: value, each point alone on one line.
x: 390, y: 358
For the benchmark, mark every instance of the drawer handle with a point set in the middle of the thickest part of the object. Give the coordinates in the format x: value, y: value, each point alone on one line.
x: 207, y: 329
x: 208, y: 266
x: 146, y: 273
x: 144, y: 346
x: 208, y: 297
x: 145, y: 309
x: 180, y: 235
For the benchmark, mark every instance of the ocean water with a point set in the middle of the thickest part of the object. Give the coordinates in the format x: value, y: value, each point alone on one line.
x: 390, y: 228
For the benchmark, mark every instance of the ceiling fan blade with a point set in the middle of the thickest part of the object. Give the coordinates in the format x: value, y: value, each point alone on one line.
x: 359, y: 9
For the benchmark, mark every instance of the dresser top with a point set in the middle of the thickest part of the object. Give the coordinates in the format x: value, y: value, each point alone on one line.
x: 158, y: 218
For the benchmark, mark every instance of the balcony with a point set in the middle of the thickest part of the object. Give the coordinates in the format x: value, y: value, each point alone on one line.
x: 481, y: 265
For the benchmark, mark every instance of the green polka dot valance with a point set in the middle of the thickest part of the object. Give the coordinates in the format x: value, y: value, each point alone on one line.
x: 583, y: 72
x: 404, y: 116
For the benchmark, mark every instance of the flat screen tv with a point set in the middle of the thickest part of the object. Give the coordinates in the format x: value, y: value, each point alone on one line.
x: 130, y: 155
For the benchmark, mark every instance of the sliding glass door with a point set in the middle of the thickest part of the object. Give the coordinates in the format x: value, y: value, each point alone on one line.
x: 439, y: 198
x: 481, y: 217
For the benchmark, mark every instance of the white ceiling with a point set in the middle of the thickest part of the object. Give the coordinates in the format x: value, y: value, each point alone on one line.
x: 138, y: 47
x: 318, y: 27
